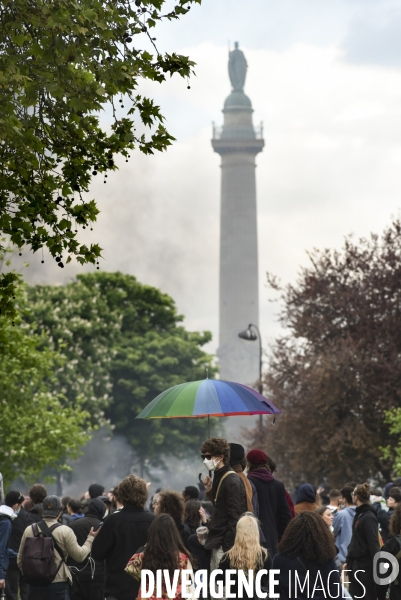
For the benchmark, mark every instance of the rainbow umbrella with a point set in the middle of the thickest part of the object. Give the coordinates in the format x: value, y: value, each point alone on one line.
x: 207, y: 398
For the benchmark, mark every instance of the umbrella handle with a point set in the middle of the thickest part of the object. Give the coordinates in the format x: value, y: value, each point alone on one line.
x: 200, y: 476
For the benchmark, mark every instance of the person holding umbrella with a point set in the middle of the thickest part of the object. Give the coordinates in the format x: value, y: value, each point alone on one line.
x: 227, y: 492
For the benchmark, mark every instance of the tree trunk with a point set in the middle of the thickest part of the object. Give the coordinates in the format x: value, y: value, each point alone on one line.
x: 59, y: 483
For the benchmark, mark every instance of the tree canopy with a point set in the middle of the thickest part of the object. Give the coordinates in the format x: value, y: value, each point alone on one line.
x: 123, y: 344
x: 38, y: 428
x: 338, y: 372
x: 61, y: 64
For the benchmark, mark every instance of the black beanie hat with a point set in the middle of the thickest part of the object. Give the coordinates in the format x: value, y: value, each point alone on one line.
x: 237, y: 453
x: 95, y: 490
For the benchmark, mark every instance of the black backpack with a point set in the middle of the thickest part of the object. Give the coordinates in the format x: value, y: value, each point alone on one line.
x: 38, y: 562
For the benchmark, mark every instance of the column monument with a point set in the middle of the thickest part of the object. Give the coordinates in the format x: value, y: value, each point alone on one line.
x: 238, y: 142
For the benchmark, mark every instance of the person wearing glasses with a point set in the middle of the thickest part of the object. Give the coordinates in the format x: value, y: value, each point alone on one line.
x: 8, y: 513
x: 363, y: 546
x: 227, y: 492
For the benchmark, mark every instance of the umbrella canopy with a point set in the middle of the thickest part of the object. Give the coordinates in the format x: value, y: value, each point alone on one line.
x: 209, y: 397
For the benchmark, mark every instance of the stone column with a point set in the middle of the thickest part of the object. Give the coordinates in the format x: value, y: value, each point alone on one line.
x: 238, y: 142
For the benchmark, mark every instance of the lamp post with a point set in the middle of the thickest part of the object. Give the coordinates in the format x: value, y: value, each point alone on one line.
x: 250, y: 336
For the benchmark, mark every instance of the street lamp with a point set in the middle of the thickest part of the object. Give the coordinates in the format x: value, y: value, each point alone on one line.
x: 250, y: 336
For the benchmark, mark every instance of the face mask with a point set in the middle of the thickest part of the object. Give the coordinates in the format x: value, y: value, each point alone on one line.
x: 17, y: 511
x: 106, y: 513
x: 211, y: 464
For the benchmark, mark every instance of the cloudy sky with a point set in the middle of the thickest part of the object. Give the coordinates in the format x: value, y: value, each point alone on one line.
x: 324, y: 76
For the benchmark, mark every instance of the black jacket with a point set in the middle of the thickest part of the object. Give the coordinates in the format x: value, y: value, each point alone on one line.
x: 35, y: 513
x: 81, y: 528
x: 290, y: 587
x: 393, y: 546
x: 184, y: 531
x: 274, y: 513
x: 228, y: 509
x: 191, y: 527
x: 264, y: 580
x: 120, y: 537
x: 365, y: 536
x: 384, y: 516
x: 18, y: 527
x: 200, y: 554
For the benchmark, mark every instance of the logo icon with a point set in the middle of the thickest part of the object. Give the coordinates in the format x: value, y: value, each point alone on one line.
x: 385, y: 568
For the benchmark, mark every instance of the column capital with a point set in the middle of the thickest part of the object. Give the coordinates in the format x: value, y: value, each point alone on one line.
x: 231, y: 146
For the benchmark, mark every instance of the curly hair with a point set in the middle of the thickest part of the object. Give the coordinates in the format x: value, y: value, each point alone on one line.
x: 116, y: 494
x: 362, y: 492
x: 132, y: 490
x: 217, y: 447
x: 164, y: 546
x: 309, y: 537
x: 395, y: 521
x: 37, y: 493
x: 171, y: 503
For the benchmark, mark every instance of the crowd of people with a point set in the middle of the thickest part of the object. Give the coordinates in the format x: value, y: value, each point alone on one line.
x: 320, y: 543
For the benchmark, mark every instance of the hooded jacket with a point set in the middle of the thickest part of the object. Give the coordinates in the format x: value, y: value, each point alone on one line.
x: 365, y: 535
x: 81, y: 527
x: 95, y: 490
x: 7, y: 515
x: 274, y: 513
x: 342, y: 529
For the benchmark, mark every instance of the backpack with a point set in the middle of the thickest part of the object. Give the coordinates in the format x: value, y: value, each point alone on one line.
x: 38, y: 562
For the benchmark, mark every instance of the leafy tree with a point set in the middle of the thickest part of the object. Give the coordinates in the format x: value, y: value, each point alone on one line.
x: 392, y: 452
x: 37, y: 428
x: 338, y: 371
x: 124, y: 344
x: 61, y: 64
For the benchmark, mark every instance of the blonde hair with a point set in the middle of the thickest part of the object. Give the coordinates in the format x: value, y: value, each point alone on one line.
x: 247, y: 553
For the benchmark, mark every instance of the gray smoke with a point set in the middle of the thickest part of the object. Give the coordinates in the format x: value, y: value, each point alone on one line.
x: 107, y: 459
